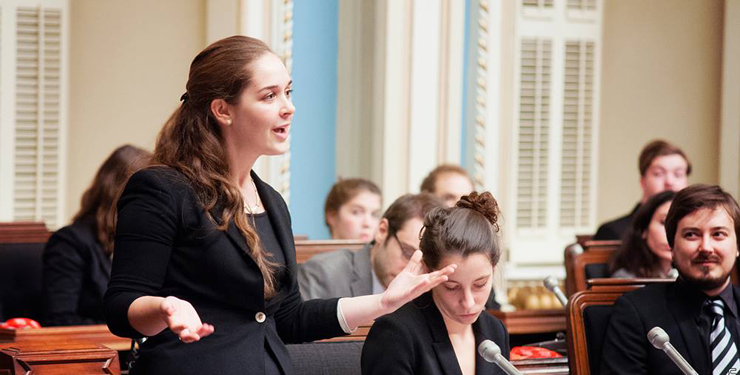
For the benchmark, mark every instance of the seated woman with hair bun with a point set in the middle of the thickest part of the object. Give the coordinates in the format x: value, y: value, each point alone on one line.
x: 645, y: 252
x: 438, y: 332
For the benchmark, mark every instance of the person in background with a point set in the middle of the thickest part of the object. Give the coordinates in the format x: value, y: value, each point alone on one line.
x: 352, y: 209
x: 448, y: 182
x: 347, y: 273
x: 439, y: 332
x: 645, y: 252
x: 699, y: 311
x: 663, y: 166
x: 77, y: 258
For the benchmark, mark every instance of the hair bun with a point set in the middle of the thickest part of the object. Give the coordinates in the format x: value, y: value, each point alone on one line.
x: 483, y: 203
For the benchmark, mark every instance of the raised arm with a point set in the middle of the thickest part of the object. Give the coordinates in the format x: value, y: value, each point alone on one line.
x: 409, y: 284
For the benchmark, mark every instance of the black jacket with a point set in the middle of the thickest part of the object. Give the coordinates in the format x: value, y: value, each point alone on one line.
x: 613, y: 230
x: 76, y: 273
x: 166, y: 246
x: 673, y: 307
x: 414, y: 340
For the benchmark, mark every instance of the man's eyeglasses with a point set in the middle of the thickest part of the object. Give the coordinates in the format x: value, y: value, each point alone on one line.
x: 406, y: 250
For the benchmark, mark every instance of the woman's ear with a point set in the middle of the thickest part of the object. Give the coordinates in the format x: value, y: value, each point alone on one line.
x: 221, y: 111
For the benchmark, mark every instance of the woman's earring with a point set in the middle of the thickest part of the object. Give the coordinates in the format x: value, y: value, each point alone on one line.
x: 228, y: 122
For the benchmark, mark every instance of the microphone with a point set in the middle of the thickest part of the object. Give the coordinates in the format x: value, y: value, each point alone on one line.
x: 551, y: 283
x: 660, y: 340
x: 492, y: 353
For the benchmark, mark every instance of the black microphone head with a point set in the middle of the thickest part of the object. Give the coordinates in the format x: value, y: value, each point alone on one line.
x: 488, y: 350
x: 658, y: 337
x: 550, y: 283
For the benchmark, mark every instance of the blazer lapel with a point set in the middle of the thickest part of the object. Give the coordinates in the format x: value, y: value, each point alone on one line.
x: 441, y: 340
x: 482, y: 367
x: 362, y: 281
x: 682, y: 304
x: 278, y: 214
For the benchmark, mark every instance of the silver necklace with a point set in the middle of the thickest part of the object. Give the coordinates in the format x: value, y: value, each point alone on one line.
x: 252, y: 209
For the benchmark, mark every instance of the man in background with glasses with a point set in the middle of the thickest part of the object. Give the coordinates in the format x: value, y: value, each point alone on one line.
x: 347, y: 273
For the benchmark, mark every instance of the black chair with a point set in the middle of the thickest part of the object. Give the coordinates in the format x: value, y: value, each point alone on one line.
x: 21, y: 265
x: 326, y: 358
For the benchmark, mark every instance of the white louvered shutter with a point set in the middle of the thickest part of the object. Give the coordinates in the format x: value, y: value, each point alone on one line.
x: 577, y: 152
x: 37, y: 120
x: 582, y: 5
x: 534, y: 133
x: 555, y: 132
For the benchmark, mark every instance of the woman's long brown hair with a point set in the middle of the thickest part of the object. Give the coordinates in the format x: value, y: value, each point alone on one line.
x: 192, y: 143
x: 99, y: 200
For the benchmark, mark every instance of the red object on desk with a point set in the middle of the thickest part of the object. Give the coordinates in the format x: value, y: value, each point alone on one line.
x: 20, y: 323
x: 531, y: 352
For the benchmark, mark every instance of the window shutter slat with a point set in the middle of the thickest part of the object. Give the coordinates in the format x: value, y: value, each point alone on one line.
x: 577, y: 153
x: 533, y: 133
x: 38, y: 114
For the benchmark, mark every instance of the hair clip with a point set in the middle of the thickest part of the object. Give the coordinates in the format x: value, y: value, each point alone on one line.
x: 184, y: 97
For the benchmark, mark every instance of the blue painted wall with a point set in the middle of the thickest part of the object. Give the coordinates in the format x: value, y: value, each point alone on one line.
x: 468, y: 73
x: 313, y: 164
x: 464, y: 159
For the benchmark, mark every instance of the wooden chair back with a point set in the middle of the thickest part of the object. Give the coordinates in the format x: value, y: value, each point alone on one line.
x: 581, y: 265
x: 305, y: 249
x: 588, y: 318
x: 23, y: 232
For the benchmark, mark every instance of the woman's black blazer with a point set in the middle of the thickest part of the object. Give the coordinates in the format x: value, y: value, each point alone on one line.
x: 414, y: 340
x: 76, y: 273
x: 166, y: 246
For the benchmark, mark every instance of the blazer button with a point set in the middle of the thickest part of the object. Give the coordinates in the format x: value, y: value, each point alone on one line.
x: 260, y: 317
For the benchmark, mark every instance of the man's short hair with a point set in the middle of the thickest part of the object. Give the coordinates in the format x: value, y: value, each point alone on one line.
x: 659, y: 148
x: 430, y: 181
x: 696, y: 197
x: 407, y: 207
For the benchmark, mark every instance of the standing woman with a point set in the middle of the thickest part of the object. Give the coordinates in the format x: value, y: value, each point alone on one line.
x: 205, y: 262
x: 439, y: 332
x: 77, y: 258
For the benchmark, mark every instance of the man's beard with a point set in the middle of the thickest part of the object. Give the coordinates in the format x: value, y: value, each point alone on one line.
x: 704, y: 282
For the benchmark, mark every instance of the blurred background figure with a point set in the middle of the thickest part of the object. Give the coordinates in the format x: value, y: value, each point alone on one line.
x: 448, y: 182
x: 663, y: 166
x: 352, y: 209
x: 645, y: 252
x: 77, y: 258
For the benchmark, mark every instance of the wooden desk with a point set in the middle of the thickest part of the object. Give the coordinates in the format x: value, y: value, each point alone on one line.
x: 305, y: 249
x: 359, y: 335
x: 549, y: 366
x: 97, y: 334
x: 57, y: 357
x: 532, y: 321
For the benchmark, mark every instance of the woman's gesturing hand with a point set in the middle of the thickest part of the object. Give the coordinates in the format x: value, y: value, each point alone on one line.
x: 183, y: 320
x: 412, y: 282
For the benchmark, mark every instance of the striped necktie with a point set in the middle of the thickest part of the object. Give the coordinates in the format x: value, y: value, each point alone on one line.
x: 725, y: 358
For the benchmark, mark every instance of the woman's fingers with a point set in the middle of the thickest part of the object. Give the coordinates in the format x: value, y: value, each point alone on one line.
x: 414, y: 264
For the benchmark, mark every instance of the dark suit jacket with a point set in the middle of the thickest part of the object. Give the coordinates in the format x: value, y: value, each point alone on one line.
x: 414, y: 340
x: 340, y: 273
x: 166, y: 246
x: 613, y: 230
x: 76, y: 273
x: 674, y: 307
